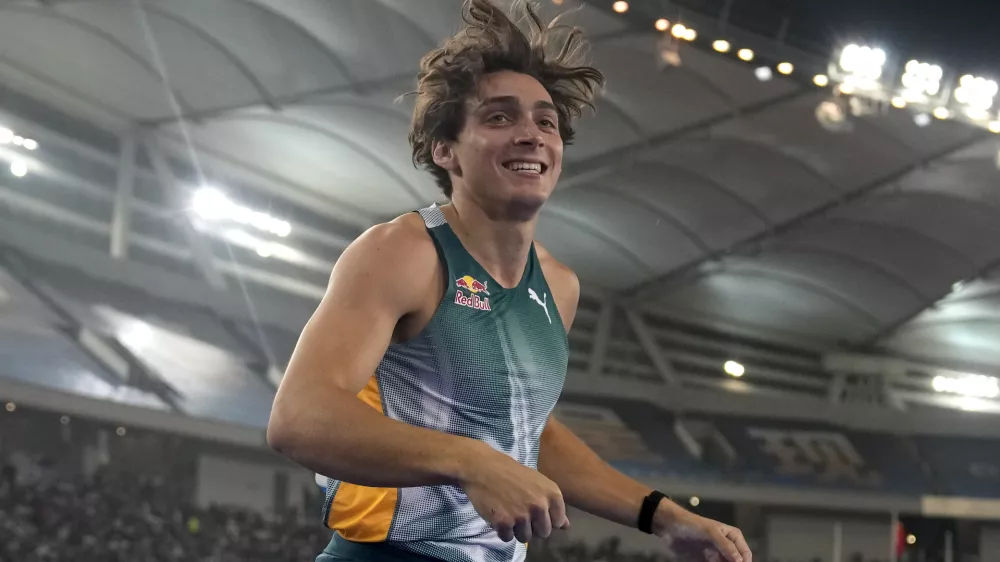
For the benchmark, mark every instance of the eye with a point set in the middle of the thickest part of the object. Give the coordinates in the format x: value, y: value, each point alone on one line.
x: 547, y: 122
x: 498, y: 119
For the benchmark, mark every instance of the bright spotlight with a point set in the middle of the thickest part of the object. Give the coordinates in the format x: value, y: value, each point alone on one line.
x: 942, y: 113
x: 721, y: 45
x: 995, y: 127
x: 30, y: 144
x: 679, y: 30
x: 785, y: 68
x: 19, y: 168
x: 862, y: 63
x: 921, y: 78
x: 846, y: 89
x: 763, y: 73
x: 136, y: 336
x: 898, y: 102
x: 734, y: 369
x: 821, y: 80
x: 18, y: 140
x: 690, y: 34
x: 911, y: 539
x: 620, y: 6
x: 745, y: 55
x: 662, y: 24
x: 922, y: 119
x: 210, y: 203
x: 980, y: 386
x: 975, y: 92
x: 6, y: 135
x: 695, y: 501
x: 11, y: 407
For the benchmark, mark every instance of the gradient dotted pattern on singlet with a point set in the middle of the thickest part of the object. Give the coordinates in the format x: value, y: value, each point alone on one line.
x: 489, y: 375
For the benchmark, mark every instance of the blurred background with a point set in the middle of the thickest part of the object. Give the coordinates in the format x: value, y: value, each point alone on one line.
x: 785, y: 217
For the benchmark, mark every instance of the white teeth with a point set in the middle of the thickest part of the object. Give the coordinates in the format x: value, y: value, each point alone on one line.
x: 524, y: 167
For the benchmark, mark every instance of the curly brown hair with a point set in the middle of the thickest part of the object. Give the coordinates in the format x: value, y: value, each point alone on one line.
x: 492, y: 42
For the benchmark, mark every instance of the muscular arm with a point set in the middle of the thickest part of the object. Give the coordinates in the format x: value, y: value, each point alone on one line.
x: 317, y: 419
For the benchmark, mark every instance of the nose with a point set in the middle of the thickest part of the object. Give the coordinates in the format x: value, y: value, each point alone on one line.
x: 529, y: 135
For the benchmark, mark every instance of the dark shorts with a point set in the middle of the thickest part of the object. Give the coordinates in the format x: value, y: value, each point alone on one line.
x: 343, y: 550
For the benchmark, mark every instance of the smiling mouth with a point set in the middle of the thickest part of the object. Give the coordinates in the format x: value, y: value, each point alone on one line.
x: 534, y: 168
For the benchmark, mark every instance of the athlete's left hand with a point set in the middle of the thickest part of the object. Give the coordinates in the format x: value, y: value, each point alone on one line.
x: 692, y: 538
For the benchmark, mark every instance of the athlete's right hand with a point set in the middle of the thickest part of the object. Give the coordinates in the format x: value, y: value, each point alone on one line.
x: 516, y: 501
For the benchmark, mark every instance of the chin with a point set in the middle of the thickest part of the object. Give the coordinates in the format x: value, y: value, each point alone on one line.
x: 524, y: 205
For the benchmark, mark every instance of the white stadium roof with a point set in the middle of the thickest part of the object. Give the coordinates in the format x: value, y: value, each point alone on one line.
x: 696, y: 193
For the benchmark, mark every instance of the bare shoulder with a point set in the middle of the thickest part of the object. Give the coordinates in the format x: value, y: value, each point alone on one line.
x: 564, y: 283
x: 384, y: 255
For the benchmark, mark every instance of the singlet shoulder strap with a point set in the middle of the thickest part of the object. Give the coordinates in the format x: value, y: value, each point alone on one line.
x: 433, y: 217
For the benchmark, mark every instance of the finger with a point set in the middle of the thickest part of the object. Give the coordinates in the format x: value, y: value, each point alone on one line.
x: 736, y: 536
x: 541, y: 523
x: 726, y: 546
x: 504, y: 529
x: 557, y: 512
x: 522, y: 530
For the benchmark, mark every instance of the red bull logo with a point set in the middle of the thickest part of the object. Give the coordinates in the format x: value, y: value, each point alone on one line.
x: 474, y: 287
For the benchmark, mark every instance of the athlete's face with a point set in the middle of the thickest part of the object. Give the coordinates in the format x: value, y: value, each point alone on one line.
x: 509, y: 151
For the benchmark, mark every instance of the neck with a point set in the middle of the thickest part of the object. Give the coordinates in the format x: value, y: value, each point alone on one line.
x: 500, y: 243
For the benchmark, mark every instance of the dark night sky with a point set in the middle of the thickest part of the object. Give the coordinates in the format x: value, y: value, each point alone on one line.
x: 958, y: 33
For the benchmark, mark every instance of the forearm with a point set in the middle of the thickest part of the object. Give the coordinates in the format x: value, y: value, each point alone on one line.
x: 586, y: 481
x: 348, y: 440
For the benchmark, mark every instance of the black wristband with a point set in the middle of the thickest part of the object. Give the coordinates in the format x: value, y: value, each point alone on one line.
x: 649, y: 505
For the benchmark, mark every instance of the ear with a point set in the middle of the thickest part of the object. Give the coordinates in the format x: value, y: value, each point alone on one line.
x: 444, y: 156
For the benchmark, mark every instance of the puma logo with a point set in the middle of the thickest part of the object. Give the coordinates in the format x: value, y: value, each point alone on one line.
x: 541, y: 302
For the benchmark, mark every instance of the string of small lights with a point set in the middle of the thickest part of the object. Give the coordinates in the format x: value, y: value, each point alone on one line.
x: 862, y: 79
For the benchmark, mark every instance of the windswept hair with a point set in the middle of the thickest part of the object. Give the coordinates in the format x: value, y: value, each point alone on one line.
x: 492, y: 42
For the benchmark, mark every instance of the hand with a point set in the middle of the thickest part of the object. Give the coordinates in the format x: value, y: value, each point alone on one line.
x: 693, y: 538
x: 516, y: 501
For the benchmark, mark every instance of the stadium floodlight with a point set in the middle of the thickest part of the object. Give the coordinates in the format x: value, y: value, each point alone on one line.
x: 995, y: 127
x: 721, y: 45
x: 976, y: 94
x: 6, y: 135
x: 763, y: 73
x: 898, y: 102
x: 733, y: 368
x: 620, y: 6
x: 977, y: 386
x: 662, y: 24
x: 942, y: 113
x: 745, y: 55
x: 210, y: 204
x: 30, y: 144
x: 922, y: 119
x: 864, y: 63
x: 679, y: 30
x: 821, y: 80
x: 921, y: 79
x: 19, y: 168
x: 860, y: 66
x: 785, y: 68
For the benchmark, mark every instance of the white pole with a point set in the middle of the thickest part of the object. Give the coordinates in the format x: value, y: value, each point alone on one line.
x: 838, y: 540
x: 949, y: 556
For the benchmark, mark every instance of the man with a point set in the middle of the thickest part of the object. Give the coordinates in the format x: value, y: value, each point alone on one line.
x: 425, y: 381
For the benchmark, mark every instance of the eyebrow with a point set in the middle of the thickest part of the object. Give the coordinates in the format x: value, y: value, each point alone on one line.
x: 512, y: 100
